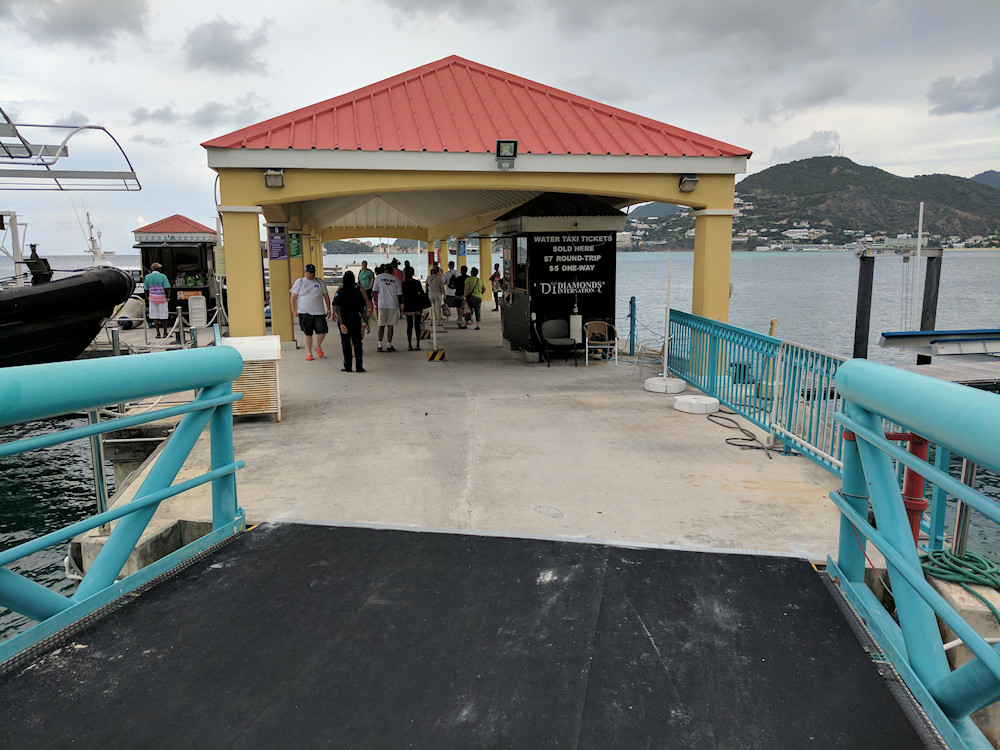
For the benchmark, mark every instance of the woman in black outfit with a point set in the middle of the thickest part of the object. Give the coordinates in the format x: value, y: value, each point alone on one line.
x: 413, y: 307
x: 351, y: 308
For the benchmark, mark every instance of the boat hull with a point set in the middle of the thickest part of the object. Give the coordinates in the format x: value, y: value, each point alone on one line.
x: 56, y: 321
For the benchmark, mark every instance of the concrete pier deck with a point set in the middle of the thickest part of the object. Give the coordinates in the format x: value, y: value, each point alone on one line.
x: 486, y: 442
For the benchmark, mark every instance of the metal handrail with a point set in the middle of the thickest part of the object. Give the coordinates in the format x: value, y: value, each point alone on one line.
x: 42, y: 391
x: 957, y: 419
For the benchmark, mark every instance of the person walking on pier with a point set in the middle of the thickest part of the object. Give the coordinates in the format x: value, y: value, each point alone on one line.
x: 449, y: 288
x: 474, y: 289
x: 351, y: 307
x: 413, y: 307
x: 366, y: 277
x: 496, y: 283
x: 311, y: 302
x: 389, y: 292
x: 458, y: 282
x: 435, y: 290
x: 156, y: 285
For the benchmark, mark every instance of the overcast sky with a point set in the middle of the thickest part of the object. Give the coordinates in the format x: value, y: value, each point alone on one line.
x: 909, y: 86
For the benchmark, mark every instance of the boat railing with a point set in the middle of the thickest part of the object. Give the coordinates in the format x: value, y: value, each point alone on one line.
x: 957, y: 421
x: 39, y: 392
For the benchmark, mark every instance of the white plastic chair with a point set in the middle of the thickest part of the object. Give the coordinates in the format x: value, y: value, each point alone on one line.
x: 648, y: 354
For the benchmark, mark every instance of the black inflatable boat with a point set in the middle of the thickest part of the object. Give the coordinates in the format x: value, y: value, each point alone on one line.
x: 56, y: 320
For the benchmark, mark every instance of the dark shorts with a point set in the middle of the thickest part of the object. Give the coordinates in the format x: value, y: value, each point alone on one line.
x: 311, y: 324
x: 456, y: 302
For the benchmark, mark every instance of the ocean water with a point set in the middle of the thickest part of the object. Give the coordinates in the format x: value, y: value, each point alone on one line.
x: 811, y: 295
x: 40, y: 492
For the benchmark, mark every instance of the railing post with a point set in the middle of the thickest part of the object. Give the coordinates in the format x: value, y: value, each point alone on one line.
x: 851, y: 550
x: 631, y: 328
x: 222, y: 449
x: 713, y: 361
x: 917, y: 620
x: 962, y: 512
x: 97, y: 460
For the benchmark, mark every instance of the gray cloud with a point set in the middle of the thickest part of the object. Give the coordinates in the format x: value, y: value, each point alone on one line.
x: 764, y: 35
x: 598, y: 86
x: 74, y: 118
x: 223, y: 46
x: 156, y: 141
x: 458, y: 9
x: 165, y: 115
x: 819, y: 143
x: 214, y: 114
x: 815, y: 89
x: 83, y: 23
x: 949, y: 96
x: 819, y: 88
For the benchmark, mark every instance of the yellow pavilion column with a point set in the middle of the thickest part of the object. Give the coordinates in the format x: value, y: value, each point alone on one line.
x: 713, y: 245
x: 317, y: 245
x: 280, y: 279
x: 443, y: 254
x: 486, y: 265
x: 244, y: 273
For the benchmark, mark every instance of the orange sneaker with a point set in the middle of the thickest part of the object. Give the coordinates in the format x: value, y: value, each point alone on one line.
x: 319, y: 352
x: 309, y: 358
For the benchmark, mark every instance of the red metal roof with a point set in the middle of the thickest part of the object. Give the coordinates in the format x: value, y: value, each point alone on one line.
x: 175, y: 224
x: 456, y: 105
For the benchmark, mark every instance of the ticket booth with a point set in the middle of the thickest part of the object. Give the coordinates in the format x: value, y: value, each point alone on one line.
x: 185, y: 250
x: 559, y: 256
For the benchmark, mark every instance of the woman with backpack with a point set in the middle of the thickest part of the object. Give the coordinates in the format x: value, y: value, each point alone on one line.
x: 474, y: 289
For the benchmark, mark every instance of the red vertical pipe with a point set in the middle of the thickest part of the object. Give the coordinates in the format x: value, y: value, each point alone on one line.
x: 913, y: 487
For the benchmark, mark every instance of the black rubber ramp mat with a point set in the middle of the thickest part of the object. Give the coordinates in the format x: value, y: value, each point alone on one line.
x: 311, y: 636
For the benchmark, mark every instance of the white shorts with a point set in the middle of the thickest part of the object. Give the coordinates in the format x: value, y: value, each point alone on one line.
x: 388, y: 316
x: 158, y: 311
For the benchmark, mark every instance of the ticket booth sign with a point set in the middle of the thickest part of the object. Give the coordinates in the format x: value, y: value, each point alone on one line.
x: 572, y: 270
x: 552, y: 275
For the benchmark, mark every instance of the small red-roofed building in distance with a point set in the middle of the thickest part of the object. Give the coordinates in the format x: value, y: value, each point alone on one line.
x: 185, y: 249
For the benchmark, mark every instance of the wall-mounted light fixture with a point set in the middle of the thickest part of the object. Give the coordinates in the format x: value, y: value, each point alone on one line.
x: 688, y: 183
x: 506, y: 153
x: 274, y: 178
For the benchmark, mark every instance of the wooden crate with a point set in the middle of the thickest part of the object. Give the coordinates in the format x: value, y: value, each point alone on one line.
x: 259, y: 386
x: 259, y: 380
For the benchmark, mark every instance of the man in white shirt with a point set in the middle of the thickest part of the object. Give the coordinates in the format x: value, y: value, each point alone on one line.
x: 389, y: 292
x: 311, y: 302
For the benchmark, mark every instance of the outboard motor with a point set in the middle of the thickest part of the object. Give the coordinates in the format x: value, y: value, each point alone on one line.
x: 41, y: 273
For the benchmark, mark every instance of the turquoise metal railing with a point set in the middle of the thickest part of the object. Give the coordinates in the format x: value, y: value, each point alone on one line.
x: 732, y: 364
x: 784, y: 388
x: 959, y: 420
x: 44, y: 391
x: 805, y: 404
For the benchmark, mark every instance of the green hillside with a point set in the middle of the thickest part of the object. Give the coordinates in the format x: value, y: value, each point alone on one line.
x: 990, y: 177
x: 834, y: 193
x: 654, y: 210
